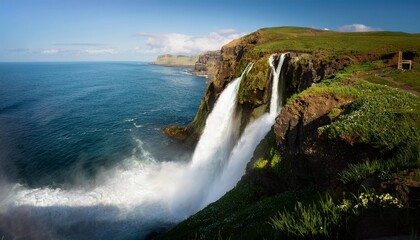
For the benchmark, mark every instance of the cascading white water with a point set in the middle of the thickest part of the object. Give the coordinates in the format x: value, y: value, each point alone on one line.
x: 140, y: 188
x: 221, y: 129
x: 216, y: 142
x: 275, y: 102
x: 252, y: 135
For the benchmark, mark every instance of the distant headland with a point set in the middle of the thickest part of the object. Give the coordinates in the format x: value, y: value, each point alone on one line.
x: 176, y: 60
x: 204, y: 64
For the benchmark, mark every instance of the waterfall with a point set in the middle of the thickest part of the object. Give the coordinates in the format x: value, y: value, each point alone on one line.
x: 252, y: 135
x: 220, y: 134
x: 275, y: 104
x: 222, y: 128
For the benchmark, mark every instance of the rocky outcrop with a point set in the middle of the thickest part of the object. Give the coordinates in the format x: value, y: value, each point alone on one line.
x: 176, y: 60
x: 312, y: 156
x: 304, y: 69
x: 297, y: 137
x: 179, y: 133
x: 207, y: 64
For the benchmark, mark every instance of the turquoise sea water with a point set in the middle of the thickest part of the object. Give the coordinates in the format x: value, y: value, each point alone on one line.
x: 62, y: 123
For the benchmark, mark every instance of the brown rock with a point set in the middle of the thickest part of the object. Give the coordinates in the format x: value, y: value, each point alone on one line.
x: 176, y: 132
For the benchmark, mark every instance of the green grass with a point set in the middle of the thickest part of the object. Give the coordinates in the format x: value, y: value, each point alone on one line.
x: 380, y: 81
x: 342, y: 86
x: 324, y: 218
x: 383, y: 121
x: 316, y: 220
x: 379, y: 116
x: 306, y: 39
x: 411, y: 78
x: 242, y: 213
x: 405, y: 158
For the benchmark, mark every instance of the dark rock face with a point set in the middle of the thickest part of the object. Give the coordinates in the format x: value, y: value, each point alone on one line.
x: 208, y: 64
x: 304, y: 69
x: 314, y: 157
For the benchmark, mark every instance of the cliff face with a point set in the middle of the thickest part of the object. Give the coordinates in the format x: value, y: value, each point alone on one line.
x: 176, y: 60
x: 300, y: 71
x: 343, y: 130
x: 207, y: 64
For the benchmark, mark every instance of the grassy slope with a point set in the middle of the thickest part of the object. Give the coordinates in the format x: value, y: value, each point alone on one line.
x: 246, y: 212
x: 307, y: 39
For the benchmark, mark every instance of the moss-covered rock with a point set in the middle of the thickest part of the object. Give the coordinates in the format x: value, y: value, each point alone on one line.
x: 253, y: 89
x: 176, y: 132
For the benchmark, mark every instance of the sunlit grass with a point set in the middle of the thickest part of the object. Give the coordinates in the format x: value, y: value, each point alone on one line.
x: 307, y: 39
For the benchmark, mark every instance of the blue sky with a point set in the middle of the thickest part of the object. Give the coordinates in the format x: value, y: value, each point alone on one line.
x: 105, y: 30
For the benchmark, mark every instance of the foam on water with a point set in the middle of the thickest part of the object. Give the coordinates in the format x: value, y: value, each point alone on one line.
x: 141, y: 192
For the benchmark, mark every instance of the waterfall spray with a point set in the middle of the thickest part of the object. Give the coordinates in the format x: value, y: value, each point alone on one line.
x: 144, y: 192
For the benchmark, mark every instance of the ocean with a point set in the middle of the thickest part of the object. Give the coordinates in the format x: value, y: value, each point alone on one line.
x: 82, y: 128
x: 83, y: 156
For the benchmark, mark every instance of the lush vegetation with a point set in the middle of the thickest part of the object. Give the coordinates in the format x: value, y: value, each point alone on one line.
x: 325, y: 219
x: 382, y: 114
x: 379, y: 116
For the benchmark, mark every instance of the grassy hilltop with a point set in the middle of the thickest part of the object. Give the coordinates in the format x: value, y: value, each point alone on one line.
x: 343, y: 159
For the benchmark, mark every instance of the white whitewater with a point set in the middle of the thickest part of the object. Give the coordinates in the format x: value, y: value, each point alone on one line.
x: 216, y: 142
x: 140, y: 190
x: 221, y: 129
x: 252, y: 135
x: 144, y: 193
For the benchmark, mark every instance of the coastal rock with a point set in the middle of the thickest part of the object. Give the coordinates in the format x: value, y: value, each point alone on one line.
x: 208, y: 64
x: 176, y: 132
x: 176, y: 60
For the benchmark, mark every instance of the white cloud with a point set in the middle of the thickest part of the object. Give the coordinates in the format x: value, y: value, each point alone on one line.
x: 357, y: 27
x: 71, y: 44
x: 78, y: 51
x: 176, y: 43
x: 49, y: 51
x: 99, y: 51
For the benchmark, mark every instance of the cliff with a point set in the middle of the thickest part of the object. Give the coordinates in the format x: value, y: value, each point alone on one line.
x: 314, y: 55
x: 207, y: 64
x: 176, y: 60
x: 342, y: 160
